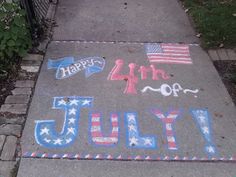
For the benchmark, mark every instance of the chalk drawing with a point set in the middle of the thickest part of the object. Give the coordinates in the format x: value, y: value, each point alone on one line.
x: 131, y: 79
x: 167, y: 90
x: 97, y: 136
x: 67, y: 67
x: 45, y: 133
x: 167, y: 122
x: 134, y: 140
x: 203, y: 121
x: 168, y: 53
x: 155, y: 72
x: 129, y: 157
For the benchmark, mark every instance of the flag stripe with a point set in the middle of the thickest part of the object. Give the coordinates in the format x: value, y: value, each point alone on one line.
x: 171, y: 54
x: 175, y: 51
x: 171, y: 61
x: 174, y: 48
x: 168, y: 57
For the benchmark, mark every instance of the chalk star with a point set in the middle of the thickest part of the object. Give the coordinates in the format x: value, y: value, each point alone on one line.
x: 72, y: 111
x: 147, y: 141
x: 45, y: 130
x: 133, y: 141
x: 57, y: 141
x: 71, y: 130
x: 68, y: 140
x: 200, y: 112
x: 72, y: 120
x: 47, y: 140
x: 168, y: 126
x: 131, y: 117
x: 86, y: 102
x: 205, y: 130
x: 132, y: 128
x: 202, y: 118
x: 74, y: 102
x: 170, y: 139
x: 210, y: 149
x: 61, y: 102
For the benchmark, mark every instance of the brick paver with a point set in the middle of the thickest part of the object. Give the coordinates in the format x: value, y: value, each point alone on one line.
x: 9, y: 149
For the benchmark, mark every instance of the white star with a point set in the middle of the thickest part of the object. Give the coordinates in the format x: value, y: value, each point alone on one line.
x: 147, y: 141
x: 74, y: 102
x: 132, y: 128
x: 47, y: 140
x: 68, y: 140
x: 131, y: 117
x: 72, y: 111
x: 168, y: 126
x: 57, y: 141
x: 45, y: 130
x: 210, y: 149
x: 71, y: 130
x: 200, y: 112
x: 205, y: 130
x: 202, y: 118
x: 86, y: 102
x: 133, y: 141
x: 72, y: 120
x: 170, y: 139
x: 61, y: 102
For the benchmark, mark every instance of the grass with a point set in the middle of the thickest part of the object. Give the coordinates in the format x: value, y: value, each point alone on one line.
x: 215, y: 21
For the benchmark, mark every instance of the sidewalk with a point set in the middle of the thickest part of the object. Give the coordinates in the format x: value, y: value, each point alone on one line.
x: 128, y: 21
x: 123, y: 82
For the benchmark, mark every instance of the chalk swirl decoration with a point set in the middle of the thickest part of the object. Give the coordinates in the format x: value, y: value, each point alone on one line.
x: 167, y: 90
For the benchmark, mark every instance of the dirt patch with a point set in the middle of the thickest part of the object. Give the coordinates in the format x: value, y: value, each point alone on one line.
x: 7, y: 83
x: 227, y: 71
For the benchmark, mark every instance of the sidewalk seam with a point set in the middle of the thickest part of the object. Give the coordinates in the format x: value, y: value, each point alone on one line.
x: 115, y: 42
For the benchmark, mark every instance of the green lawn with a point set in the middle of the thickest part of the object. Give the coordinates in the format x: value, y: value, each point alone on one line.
x: 215, y: 20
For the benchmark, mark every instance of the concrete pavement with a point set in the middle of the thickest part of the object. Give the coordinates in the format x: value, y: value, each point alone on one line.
x: 109, y: 97
x: 85, y: 168
x: 136, y: 99
x: 141, y: 21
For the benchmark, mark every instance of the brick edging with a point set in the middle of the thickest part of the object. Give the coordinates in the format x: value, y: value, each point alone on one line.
x: 16, y: 108
x: 222, y: 54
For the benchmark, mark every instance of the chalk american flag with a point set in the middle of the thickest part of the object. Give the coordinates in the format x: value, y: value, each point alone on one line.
x: 168, y: 53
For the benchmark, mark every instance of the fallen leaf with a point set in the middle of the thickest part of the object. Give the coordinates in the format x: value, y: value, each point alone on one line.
x: 199, y: 35
x: 186, y: 10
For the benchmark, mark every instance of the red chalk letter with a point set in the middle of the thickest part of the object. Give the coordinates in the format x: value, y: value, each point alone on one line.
x: 95, y: 129
x: 131, y: 79
x: 167, y: 122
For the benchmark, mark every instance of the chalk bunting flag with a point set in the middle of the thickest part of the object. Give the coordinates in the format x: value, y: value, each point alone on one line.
x: 67, y: 66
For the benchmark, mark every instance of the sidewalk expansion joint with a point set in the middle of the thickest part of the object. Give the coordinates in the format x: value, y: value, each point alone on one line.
x: 114, y: 42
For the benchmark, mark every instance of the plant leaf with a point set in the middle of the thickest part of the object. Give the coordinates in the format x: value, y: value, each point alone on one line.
x: 11, y: 43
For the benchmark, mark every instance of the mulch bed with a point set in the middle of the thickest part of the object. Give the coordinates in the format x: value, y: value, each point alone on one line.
x: 227, y: 71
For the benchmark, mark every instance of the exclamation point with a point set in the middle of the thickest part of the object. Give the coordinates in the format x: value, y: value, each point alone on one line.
x: 202, y: 119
